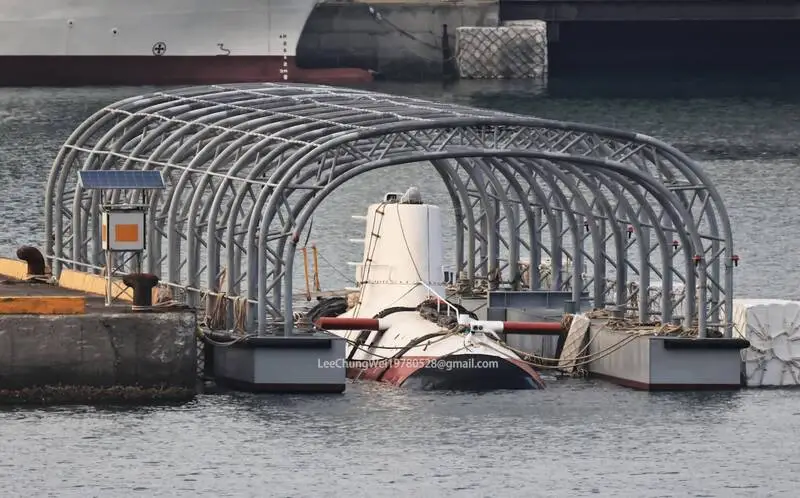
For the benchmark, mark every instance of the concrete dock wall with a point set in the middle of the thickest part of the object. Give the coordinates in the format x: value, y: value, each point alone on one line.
x: 147, y: 351
x: 401, y: 40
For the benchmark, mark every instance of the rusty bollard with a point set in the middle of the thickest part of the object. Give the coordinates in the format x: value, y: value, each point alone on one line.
x: 142, y: 285
x: 35, y: 260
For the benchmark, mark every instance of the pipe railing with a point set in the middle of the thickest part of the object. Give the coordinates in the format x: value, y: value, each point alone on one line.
x: 440, y: 300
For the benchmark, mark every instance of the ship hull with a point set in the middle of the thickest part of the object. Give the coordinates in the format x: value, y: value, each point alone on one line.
x: 66, y: 70
x: 152, y: 42
x: 472, y: 372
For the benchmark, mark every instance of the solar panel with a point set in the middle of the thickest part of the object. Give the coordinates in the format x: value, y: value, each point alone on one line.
x: 121, y: 179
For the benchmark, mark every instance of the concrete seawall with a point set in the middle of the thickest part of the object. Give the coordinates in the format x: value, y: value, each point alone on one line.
x: 62, y: 345
x: 147, y: 350
x: 98, y: 356
x: 401, y: 40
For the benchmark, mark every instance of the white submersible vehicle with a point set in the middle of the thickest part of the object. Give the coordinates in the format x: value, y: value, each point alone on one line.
x: 399, y: 327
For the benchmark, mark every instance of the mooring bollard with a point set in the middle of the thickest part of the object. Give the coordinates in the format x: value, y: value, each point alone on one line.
x: 33, y: 257
x: 142, y: 285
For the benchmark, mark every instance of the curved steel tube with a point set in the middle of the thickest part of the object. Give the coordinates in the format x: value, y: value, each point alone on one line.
x: 245, y: 164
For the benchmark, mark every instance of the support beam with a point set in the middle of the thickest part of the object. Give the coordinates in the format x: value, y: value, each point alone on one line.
x: 586, y: 208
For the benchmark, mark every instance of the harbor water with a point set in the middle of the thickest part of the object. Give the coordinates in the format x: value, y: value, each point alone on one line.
x: 577, y: 438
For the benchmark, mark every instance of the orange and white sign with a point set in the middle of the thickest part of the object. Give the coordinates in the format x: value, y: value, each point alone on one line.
x: 123, y: 230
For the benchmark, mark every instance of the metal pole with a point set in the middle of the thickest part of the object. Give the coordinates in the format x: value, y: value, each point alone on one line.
x: 109, y: 271
x: 317, y: 286
x: 305, y: 273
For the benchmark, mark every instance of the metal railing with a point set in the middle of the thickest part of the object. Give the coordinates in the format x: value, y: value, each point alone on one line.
x: 440, y: 300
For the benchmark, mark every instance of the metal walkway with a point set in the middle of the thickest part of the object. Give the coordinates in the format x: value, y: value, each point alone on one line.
x: 247, y: 166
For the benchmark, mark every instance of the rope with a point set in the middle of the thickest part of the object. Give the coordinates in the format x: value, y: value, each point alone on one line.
x: 405, y: 241
x: 443, y: 334
x: 360, y: 346
x: 207, y: 339
x: 240, y: 314
x: 341, y: 273
x: 216, y: 315
x: 380, y: 18
x: 614, y: 324
x: 580, y: 360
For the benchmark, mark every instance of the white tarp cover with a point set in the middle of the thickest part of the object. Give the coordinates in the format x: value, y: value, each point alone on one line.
x: 773, y: 328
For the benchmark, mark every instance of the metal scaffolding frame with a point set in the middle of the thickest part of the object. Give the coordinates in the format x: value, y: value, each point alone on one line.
x: 621, y: 216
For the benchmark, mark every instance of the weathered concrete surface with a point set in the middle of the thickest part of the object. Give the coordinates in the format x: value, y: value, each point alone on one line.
x: 401, y: 40
x: 640, y: 359
x: 155, y: 352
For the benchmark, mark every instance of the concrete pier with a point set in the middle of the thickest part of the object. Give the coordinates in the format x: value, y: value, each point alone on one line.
x: 89, y: 352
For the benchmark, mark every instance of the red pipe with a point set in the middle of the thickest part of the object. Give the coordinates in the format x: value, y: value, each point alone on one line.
x: 342, y: 323
x: 532, y: 327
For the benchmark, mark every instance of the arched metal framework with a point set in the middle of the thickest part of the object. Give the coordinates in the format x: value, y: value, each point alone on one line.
x: 617, y: 214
